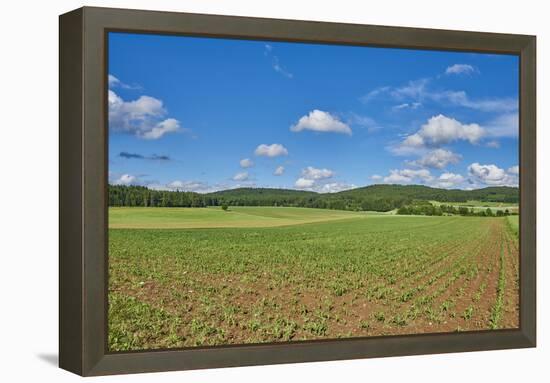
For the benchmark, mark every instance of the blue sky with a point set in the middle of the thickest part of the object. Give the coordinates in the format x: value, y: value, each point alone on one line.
x: 204, y: 114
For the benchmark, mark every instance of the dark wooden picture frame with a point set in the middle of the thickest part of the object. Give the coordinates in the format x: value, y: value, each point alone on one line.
x: 83, y: 189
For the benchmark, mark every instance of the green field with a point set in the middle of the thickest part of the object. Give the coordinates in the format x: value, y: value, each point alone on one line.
x: 182, y: 277
x: 215, y: 217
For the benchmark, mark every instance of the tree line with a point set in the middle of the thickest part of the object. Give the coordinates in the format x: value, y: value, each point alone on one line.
x: 427, y: 208
x: 380, y: 198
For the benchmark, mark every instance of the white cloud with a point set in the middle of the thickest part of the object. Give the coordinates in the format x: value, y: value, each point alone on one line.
x: 492, y: 175
x: 167, y: 126
x: 407, y: 176
x: 449, y: 180
x: 316, y: 180
x: 362, y: 121
x: 493, y: 144
x: 279, y: 171
x: 461, y: 98
x: 126, y: 179
x: 374, y: 94
x: 440, y: 130
x: 113, y: 81
x: 320, y: 121
x: 246, y: 163
x: 303, y: 183
x: 505, y: 125
x: 243, y: 176
x: 406, y: 105
x: 514, y: 170
x: 460, y: 69
x: 312, y: 173
x: 273, y: 150
x: 334, y: 187
x: 376, y: 177
x: 142, y: 117
x: 275, y: 63
x: 438, y: 159
x: 417, y: 91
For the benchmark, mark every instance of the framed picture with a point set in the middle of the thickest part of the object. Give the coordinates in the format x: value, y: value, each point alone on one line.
x: 242, y: 191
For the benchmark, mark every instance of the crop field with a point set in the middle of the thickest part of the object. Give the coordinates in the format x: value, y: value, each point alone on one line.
x: 201, y: 276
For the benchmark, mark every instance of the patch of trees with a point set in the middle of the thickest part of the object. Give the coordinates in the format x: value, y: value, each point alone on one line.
x: 427, y: 208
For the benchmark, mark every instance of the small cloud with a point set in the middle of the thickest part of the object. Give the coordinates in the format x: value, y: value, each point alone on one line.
x: 114, y: 82
x: 246, y: 163
x: 320, y: 121
x: 334, y: 187
x: 303, y: 183
x: 154, y: 157
x: 460, y: 69
x: 279, y: 171
x: 243, y: 176
x: 376, y: 177
x: 312, y: 173
x: 275, y: 63
x: 126, y: 179
x: 273, y: 150
x: 406, y: 105
x: 493, y: 144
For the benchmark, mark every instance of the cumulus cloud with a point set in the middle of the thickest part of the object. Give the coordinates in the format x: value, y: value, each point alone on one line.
x: 492, y: 175
x: 304, y: 183
x: 312, y: 173
x: 243, y: 176
x: 320, y: 121
x: 246, y: 163
x: 437, y: 159
x: 318, y: 180
x: 449, y: 180
x: 376, y: 177
x: 440, y: 130
x: 460, y: 69
x: 279, y: 171
x: 143, y: 117
x: 273, y: 150
x: 407, y: 176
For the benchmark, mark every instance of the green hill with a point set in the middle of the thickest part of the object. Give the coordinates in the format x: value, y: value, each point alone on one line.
x: 373, y: 197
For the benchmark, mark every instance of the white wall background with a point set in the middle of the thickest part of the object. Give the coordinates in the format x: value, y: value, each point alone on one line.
x: 29, y: 176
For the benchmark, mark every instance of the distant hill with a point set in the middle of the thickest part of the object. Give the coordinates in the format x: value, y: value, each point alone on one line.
x: 426, y: 193
x: 373, y: 197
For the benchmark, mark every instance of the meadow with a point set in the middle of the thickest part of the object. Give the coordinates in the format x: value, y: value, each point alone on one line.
x: 184, y: 277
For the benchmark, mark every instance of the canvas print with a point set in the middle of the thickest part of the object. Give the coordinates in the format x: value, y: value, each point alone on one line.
x: 264, y: 191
